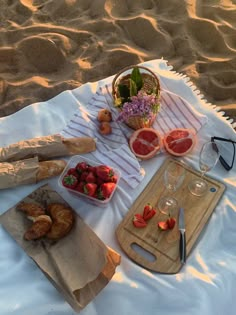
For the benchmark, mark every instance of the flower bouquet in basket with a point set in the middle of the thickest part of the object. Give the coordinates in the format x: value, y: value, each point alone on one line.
x: 136, y: 93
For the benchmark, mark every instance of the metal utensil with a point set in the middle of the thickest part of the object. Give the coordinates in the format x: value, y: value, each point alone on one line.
x: 182, y: 244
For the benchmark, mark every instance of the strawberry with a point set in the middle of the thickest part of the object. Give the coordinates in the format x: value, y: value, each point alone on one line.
x: 148, y: 212
x: 95, y: 194
x: 90, y: 189
x: 99, y: 181
x: 138, y: 221
x: 84, y: 175
x: 90, y: 178
x: 80, y: 187
x: 105, y: 190
x: 72, y: 171
x: 104, y: 172
x: 171, y: 222
x: 114, y: 179
x: 92, y: 169
x: 163, y: 225
x: 70, y: 181
x: 81, y: 167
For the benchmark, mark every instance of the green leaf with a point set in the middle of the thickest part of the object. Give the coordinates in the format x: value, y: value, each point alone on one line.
x: 137, y: 78
x: 132, y: 87
x: 124, y: 92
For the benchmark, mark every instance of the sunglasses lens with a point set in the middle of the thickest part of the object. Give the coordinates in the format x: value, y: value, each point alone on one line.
x: 226, y: 150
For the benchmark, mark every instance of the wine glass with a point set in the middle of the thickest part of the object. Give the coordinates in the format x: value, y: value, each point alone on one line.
x: 207, y: 160
x: 173, y: 178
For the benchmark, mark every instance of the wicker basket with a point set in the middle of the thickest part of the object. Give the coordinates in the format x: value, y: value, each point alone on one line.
x: 137, y: 122
x: 150, y: 84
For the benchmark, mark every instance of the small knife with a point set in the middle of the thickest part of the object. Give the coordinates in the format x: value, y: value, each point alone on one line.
x: 182, y: 244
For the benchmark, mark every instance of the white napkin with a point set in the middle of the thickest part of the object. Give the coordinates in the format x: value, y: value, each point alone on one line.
x: 113, y: 149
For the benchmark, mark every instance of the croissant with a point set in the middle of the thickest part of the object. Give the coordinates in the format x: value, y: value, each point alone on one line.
x: 31, y: 209
x: 62, y: 220
x: 39, y: 228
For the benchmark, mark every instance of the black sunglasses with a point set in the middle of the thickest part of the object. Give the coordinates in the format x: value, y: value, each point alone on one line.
x: 224, y: 163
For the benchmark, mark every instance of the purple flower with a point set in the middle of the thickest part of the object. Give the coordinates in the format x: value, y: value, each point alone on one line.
x: 142, y: 104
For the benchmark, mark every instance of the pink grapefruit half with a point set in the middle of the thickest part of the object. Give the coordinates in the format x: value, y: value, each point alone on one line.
x: 145, y: 143
x: 180, y: 141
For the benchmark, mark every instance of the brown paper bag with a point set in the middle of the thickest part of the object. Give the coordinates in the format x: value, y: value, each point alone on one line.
x: 79, y: 265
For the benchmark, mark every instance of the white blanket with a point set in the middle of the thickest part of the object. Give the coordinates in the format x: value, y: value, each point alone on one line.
x: 205, y: 285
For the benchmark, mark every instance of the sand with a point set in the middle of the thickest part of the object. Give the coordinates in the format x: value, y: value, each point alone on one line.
x: 48, y: 46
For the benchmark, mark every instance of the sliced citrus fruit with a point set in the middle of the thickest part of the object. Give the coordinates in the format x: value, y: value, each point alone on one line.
x: 179, y: 141
x: 145, y: 143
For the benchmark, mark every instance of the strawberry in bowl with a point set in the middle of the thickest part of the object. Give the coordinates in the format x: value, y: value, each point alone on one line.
x: 90, y: 180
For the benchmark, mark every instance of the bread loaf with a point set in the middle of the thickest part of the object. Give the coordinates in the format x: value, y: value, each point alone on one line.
x: 29, y: 171
x: 47, y: 147
x: 79, y: 145
x: 49, y: 169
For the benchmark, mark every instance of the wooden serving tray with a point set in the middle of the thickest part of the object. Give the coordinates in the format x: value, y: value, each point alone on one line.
x: 159, y: 250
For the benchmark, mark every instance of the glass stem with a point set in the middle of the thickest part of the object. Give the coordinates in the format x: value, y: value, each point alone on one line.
x: 202, y: 175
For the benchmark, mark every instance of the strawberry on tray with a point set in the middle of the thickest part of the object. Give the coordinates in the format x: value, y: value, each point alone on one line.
x: 88, y: 179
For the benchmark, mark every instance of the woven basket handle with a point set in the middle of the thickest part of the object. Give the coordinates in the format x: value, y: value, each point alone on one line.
x: 131, y: 67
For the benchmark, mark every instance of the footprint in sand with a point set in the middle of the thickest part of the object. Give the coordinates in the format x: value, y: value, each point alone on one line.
x: 42, y: 54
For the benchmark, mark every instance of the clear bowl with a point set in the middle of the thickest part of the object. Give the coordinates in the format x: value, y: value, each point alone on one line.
x: 71, y: 164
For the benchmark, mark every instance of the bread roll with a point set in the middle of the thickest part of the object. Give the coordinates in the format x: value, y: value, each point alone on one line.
x: 42, y: 224
x: 32, y: 210
x: 54, y: 223
x: 62, y: 220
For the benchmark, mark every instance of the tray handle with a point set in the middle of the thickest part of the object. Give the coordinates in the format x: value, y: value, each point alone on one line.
x: 133, y: 247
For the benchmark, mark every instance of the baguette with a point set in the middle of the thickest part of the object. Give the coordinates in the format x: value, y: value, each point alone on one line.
x: 79, y: 145
x: 49, y: 169
x: 29, y: 171
x: 47, y: 147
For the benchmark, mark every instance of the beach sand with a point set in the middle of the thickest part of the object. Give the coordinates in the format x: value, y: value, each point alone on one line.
x: 48, y: 46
